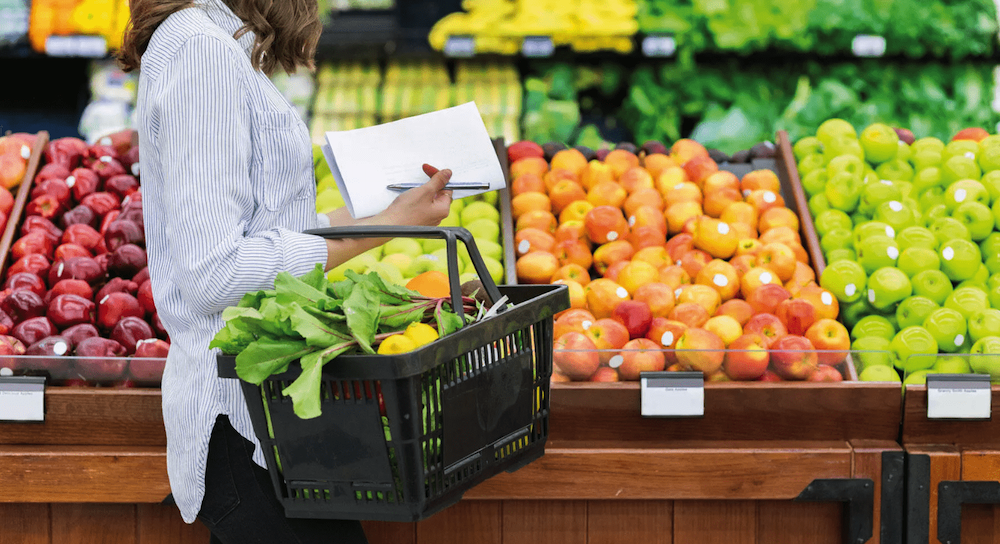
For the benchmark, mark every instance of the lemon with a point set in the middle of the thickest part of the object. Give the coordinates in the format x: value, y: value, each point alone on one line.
x: 421, y: 334
x: 397, y: 343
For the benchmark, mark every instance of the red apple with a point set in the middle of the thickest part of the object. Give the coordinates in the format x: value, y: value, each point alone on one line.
x: 700, y: 350
x: 797, y: 314
x: 609, y: 336
x: 665, y: 333
x: 25, y: 280
x: 748, y: 358
x: 766, y: 298
x: 637, y: 356
x: 67, y: 310
x: 129, y: 331
x: 831, y: 337
x: 74, y: 287
x: 635, y: 316
x: 825, y: 373
x: 768, y: 326
x: 770, y: 376
x: 793, y: 357
x: 145, y: 297
x: 575, y: 356
x: 116, y: 306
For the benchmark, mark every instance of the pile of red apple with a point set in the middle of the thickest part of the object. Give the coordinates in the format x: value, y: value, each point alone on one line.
x: 77, y: 283
x: 672, y: 264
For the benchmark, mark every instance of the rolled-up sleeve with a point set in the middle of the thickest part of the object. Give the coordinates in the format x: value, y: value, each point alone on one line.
x: 205, y: 147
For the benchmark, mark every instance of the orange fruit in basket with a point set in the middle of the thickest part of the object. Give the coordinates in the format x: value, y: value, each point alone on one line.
x: 432, y: 284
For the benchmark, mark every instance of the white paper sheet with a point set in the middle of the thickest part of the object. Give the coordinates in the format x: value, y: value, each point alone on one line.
x: 365, y: 161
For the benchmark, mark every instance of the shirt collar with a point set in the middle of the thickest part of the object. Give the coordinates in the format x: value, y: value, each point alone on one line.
x: 221, y: 15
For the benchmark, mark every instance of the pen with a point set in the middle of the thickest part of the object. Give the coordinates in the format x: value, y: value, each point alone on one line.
x: 451, y: 186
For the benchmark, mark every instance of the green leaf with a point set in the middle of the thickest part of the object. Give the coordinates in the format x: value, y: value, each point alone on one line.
x: 317, y: 332
x: 305, y: 390
x: 362, y: 311
x: 252, y: 300
x: 275, y: 317
x: 396, y: 318
x: 447, y: 321
x: 232, y: 338
x: 391, y: 293
x: 291, y: 289
x: 316, y: 278
x: 340, y: 289
x: 267, y: 356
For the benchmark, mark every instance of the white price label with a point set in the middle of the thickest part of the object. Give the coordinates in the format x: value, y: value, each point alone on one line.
x: 672, y: 394
x: 958, y: 396
x: 538, y: 46
x: 76, y: 46
x: 865, y: 45
x: 659, y: 46
x: 22, y: 398
x: 460, y: 46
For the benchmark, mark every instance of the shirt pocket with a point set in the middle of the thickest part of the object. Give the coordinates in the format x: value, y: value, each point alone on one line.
x: 281, y: 167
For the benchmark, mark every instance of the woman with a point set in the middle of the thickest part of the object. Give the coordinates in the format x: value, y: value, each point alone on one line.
x: 228, y: 189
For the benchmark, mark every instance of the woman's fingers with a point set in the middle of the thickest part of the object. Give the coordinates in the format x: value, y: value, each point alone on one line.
x: 430, y: 170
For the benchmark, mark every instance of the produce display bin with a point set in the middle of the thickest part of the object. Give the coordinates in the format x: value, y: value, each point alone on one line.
x: 21, y: 196
x: 402, y: 437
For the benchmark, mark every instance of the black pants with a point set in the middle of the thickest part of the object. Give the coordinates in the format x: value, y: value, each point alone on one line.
x: 240, y: 506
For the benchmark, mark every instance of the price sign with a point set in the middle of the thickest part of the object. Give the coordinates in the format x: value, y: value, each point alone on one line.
x: 76, y: 46
x: 672, y: 394
x: 460, y: 46
x: 538, y: 46
x: 865, y: 45
x: 22, y: 398
x: 659, y: 46
x: 958, y: 396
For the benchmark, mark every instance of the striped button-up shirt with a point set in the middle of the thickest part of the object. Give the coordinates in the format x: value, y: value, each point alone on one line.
x: 228, y: 188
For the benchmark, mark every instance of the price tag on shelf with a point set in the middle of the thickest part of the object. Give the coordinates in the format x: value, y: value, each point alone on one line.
x: 659, y: 45
x: 672, y: 394
x: 76, y: 46
x: 958, y: 396
x: 865, y: 45
x: 538, y: 46
x: 22, y: 398
x: 463, y: 46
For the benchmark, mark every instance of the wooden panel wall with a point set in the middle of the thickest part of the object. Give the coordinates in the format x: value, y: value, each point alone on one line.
x: 97, y: 523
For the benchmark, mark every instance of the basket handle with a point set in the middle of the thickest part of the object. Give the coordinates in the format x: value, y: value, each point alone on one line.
x: 450, y: 235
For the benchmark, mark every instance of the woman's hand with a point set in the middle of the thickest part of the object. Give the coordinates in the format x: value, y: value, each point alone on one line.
x: 426, y: 205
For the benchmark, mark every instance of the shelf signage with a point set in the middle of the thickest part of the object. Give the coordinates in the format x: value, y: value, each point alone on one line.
x: 959, y: 396
x: 538, y: 46
x: 659, y: 45
x: 463, y: 46
x: 672, y: 394
x: 22, y: 398
x: 76, y: 46
x: 865, y: 45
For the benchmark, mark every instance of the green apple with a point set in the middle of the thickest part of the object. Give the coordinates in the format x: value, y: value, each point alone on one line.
x: 401, y: 261
x: 932, y: 284
x: 466, y: 277
x: 991, y: 244
x: 843, y: 191
x: 976, y: 217
x: 876, y: 252
x: 818, y: 204
x: 960, y: 167
x: 425, y: 263
x: 359, y: 264
x: 989, y: 159
x: 845, y: 163
x: 918, y: 215
x: 984, y: 323
x: 960, y: 259
x: 925, y: 164
x: 830, y: 220
x: 879, y: 373
x: 431, y: 245
x: 852, y: 313
x: 872, y: 351
x: 484, y: 229
x: 905, y: 189
x: 489, y: 248
x: 388, y: 272
x: 442, y: 257
x: 961, y: 148
x: 931, y: 197
x: 946, y: 229
x: 928, y: 143
x: 981, y: 276
x: 845, y: 279
x: 479, y: 210
x: 870, y: 176
x: 457, y: 205
x: 952, y: 365
x: 860, y: 218
x: 810, y: 165
x: 984, y: 357
x: 918, y: 377
x: 948, y: 327
x: 991, y: 180
x: 895, y: 170
x: 375, y: 252
x: 993, y: 290
x: 454, y: 219
x: 873, y: 325
x: 495, y: 268
x: 834, y: 128
x: 869, y: 229
x: 491, y: 198
x: 880, y: 142
x: 914, y: 310
x: 895, y: 214
x: 965, y: 190
x: 815, y: 181
x: 935, y: 212
x: 874, y: 194
x: 836, y: 239
x: 989, y: 141
x: 842, y: 147
x: 887, y: 287
x: 807, y: 146
x: 967, y: 301
x: 914, y: 348
x: 840, y: 255
x: 915, y: 260
x: 406, y: 246
x: 903, y: 151
x: 916, y: 237
x: 996, y: 212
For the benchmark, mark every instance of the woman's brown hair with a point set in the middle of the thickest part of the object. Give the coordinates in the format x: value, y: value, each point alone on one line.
x: 286, y: 30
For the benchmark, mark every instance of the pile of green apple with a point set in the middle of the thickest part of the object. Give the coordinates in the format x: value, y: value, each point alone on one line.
x: 401, y: 259
x: 912, y: 245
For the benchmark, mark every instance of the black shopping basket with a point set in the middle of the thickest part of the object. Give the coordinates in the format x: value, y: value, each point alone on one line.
x: 402, y: 437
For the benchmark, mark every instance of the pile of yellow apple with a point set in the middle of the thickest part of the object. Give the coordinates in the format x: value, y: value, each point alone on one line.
x: 671, y: 263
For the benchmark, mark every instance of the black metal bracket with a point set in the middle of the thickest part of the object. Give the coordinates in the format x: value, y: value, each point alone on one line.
x: 918, y: 497
x: 951, y: 496
x: 893, y: 497
x: 859, y: 496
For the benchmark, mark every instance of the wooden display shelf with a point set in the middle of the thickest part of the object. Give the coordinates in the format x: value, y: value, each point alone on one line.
x: 953, y: 475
